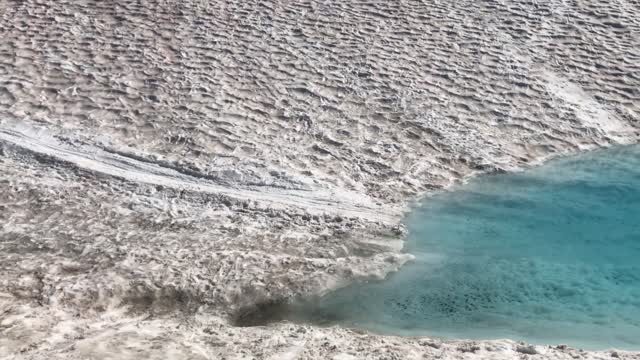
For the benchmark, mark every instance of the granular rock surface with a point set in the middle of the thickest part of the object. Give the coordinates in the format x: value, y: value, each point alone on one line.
x: 170, y: 167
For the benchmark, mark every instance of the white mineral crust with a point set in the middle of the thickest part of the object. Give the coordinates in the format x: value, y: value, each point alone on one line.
x: 169, y: 167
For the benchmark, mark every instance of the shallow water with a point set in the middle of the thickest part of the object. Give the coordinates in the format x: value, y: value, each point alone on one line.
x: 550, y: 255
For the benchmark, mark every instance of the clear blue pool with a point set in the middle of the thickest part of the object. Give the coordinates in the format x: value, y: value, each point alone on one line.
x: 550, y: 255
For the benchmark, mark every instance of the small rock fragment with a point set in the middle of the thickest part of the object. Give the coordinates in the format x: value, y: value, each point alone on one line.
x: 430, y: 343
x: 530, y: 349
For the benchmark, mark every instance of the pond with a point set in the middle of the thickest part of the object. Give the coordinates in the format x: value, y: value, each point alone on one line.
x: 550, y: 255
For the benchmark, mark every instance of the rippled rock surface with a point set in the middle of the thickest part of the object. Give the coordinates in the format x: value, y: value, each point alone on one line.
x: 166, y: 158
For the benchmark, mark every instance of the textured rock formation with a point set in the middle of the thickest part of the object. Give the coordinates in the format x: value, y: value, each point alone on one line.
x: 166, y: 166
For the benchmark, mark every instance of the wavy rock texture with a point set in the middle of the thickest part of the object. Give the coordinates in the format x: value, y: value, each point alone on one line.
x: 169, y: 166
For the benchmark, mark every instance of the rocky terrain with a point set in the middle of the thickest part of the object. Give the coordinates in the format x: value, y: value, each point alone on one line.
x: 170, y: 170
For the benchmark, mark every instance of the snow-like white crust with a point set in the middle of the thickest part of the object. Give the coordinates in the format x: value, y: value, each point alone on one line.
x: 171, y: 169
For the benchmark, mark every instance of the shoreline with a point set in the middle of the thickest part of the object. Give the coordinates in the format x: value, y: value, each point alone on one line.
x: 161, y: 313
x: 329, y: 311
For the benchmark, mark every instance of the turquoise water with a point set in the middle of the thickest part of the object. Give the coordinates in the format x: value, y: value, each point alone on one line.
x: 550, y: 255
